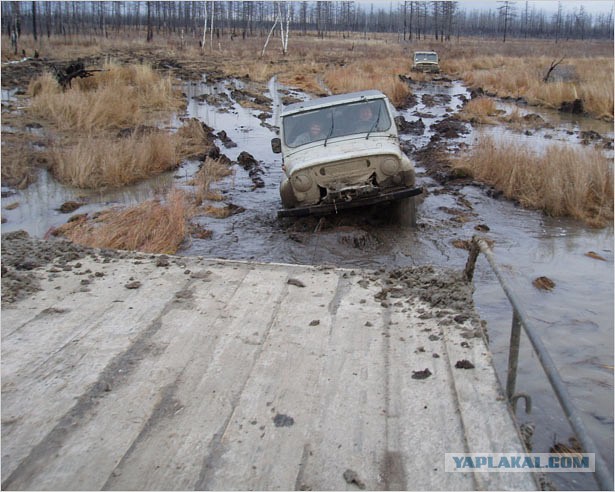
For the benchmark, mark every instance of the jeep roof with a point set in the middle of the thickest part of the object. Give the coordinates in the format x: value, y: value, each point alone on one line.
x: 324, y: 102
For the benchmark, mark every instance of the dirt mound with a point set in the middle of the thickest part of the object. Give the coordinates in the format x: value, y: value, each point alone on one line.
x: 443, y: 288
x: 254, y: 168
x: 435, y: 159
x: 410, y: 127
x: 22, y: 255
x: 450, y: 128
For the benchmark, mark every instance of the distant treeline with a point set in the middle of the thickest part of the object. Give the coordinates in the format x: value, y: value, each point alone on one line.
x: 410, y: 20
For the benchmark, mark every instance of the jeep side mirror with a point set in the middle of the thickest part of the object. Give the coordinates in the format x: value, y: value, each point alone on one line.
x: 276, y: 145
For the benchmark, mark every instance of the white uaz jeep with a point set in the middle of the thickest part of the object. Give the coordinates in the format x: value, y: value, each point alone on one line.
x: 425, y: 61
x: 340, y: 152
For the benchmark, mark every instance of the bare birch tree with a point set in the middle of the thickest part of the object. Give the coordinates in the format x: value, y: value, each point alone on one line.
x: 284, y: 33
x: 282, y: 16
x: 277, y: 19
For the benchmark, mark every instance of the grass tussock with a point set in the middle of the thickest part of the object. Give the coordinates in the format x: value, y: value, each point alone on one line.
x: 222, y: 212
x: 104, y: 138
x: 19, y: 161
x: 562, y: 181
x: 155, y: 226
x: 193, y: 140
x: 112, y: 161
x: 211, y: 171
x: 119, y: 97
x: 479, y: 110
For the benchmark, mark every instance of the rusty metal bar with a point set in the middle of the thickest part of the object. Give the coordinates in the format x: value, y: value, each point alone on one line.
x: 520, y: 318
x: 513, y: 356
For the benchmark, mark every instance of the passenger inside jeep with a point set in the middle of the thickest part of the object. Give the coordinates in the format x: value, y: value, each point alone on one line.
x: 312, y: 133
x: 366, y: 118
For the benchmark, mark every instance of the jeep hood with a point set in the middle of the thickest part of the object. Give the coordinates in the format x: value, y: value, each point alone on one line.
x: 341, y: 150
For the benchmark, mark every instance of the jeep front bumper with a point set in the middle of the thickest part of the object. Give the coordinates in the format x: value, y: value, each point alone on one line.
x: 336, y: 206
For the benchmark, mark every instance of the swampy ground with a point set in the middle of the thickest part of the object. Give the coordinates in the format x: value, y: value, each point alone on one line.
x: 240, y: 104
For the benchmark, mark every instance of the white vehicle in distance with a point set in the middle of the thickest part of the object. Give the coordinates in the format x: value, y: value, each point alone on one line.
x: 425, y: 61
x: 342, y: 152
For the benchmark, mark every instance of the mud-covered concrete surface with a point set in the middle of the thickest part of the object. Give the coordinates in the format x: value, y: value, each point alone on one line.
x: 131, y: 371
x: 24, y: 259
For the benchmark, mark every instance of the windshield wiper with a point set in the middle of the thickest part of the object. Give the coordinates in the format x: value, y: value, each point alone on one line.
x: 375, y: 125
x: 331, y: 130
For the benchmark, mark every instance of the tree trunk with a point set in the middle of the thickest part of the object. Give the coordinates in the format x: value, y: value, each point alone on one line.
x: 150, y: 32
x: 204, y: 30
x: 34, y: 20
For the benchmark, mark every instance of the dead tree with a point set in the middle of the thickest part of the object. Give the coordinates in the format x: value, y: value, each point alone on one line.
x: 280, y: 17
x: 15, y: 25
x: 551, y: 68
x: 507, y: 14
x: 150, y: 32
x: 34, y: 33
x: 73, y: 71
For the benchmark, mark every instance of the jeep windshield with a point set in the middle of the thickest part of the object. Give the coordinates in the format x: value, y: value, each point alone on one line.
x: 425, y: 57
x: 336, y: 121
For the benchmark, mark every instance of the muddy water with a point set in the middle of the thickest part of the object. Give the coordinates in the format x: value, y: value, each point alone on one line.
x: 575, y: 319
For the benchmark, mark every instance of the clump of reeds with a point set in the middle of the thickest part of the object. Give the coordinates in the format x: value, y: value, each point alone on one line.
x: 104, y: 139
x: 155, y: 226
x: 119, y: 97
x: 114, y: 161
x: 562, y: 181
x: 194, y: 140
x: 479, y: 110
x: 19, y: 161
x: 210, y: 172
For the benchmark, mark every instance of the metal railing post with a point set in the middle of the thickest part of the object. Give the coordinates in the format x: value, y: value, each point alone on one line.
x: 513, y: 356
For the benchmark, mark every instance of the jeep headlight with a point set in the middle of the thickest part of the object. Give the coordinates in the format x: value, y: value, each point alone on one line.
x: 302, y: 181
x: 390, y: 166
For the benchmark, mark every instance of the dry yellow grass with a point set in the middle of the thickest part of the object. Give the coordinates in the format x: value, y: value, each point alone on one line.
x: 479, y: 110
x: 514, y: 68
x: 211, y: 171
x: 120, y: 97
x: 588, y: 79
x: 365, y: 75
x: 155, y: 226
x: 562, y: 181
x: 89, y: 151
x: 19, y: 161
x: 110, y: 161
x: 192, y: 140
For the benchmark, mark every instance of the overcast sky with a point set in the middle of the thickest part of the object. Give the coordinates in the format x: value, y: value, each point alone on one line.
x: 590, y: 6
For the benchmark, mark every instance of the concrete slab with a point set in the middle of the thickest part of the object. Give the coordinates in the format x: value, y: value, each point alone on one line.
x: 215, y: 374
